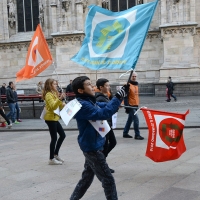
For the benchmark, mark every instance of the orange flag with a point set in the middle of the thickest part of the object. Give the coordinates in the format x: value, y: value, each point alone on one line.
x: 38, y: 57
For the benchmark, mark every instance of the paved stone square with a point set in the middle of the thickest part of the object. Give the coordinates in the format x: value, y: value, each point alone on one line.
x: 25, y: 174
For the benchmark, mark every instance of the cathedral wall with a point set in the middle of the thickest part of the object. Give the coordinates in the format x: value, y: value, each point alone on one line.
x: 172, y: 46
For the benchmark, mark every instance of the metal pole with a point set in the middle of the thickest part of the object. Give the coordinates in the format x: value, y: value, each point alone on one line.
x: 130, y: 76
x: 58, y: 79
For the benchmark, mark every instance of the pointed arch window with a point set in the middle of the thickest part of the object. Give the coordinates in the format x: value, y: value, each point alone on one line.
x: 27, y: 15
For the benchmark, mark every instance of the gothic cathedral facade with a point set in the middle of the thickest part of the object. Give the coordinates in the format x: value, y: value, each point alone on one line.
x: 172, y: 46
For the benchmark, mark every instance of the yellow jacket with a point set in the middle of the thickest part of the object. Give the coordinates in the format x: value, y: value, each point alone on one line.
x: 52, y: 103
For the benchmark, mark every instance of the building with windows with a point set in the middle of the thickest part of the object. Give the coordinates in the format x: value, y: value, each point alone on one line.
x: 172, y: 46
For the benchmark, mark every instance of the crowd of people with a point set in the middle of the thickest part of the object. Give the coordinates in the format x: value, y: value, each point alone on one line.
x: 12, y: 117
x: 98, y: 103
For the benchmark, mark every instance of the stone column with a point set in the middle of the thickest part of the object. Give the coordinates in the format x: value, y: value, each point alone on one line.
x: 54, y: 17
x: 163, y: 12
x: 4, y: 30
x: 79, y: 16
x: 192, y: 11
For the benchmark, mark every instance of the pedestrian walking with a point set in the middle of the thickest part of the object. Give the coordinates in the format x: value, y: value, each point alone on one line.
x: 170, y: 89
x: 102, y: 96
x: 90, y: 141
x: 132, y: 100
x: 17, y: 108
x: 40, y: 87
x: 53, y: 101
x: 10, y: 98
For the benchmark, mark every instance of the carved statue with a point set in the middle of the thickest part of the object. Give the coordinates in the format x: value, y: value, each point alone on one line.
x: 41, y: 15
x: 176, y: 1
x: 11, y: 13
x: 65, y: 4
x: 85, y: 3
x: 105, y: 4
x: 139, y: 2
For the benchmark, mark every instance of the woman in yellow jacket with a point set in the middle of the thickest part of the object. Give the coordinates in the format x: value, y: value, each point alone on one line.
x: 53, y: 101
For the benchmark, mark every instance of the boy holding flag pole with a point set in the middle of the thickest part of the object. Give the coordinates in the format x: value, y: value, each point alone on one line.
x: 90, y: 140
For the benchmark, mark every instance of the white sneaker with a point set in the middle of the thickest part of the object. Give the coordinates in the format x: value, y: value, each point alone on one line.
x: 58, y: 158
x: 54, y: 162
x: 9, y: 126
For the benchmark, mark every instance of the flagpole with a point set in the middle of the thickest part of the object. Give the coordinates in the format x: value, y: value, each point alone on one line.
x: 55, y: 70
x: 143, y: 40
x: 58, y: 79
x: 130, y: 77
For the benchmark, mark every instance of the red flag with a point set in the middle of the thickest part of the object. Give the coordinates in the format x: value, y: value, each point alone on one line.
x: 165, y: 141
x: 38, y: 57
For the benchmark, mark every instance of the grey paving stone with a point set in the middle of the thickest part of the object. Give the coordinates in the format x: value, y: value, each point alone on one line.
x: 176, y: 194
x: 25, y: 174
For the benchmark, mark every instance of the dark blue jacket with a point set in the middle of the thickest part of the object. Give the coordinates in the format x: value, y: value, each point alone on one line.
x: 10, y: 97
x: 15, y: 96
x: 89, y: 139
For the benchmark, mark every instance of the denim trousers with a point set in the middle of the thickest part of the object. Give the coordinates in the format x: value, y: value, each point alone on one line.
x: 95, y: 164
x: 11, y: 114
x: 168, y: 94
x: 17, y: 110
x: 132, y: 118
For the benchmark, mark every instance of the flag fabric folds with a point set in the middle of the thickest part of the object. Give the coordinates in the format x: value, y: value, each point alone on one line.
x: 114, y: 40
x: 38, y: 57
x: 165, y: 140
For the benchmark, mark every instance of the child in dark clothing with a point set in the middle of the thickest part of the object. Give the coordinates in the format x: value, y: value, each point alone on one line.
x: 4, y: 116
x: 104, y: 87
x: 90, y: 141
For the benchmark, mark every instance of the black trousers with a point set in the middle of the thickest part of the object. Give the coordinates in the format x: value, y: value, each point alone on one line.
x: 54, y: 128
x: 110, y: 142
x: 4, y: 116
x: 95, y: 164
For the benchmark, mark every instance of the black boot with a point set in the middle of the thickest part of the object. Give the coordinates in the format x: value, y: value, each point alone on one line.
x: 127, y: 136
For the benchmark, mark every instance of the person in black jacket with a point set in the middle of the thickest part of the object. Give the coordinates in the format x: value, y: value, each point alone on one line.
x: 3, y: 115
x: 10, y: 98
x: 170, y: 89
x: 3, y: 91
x: 104, y: 87
x: 69, y: 87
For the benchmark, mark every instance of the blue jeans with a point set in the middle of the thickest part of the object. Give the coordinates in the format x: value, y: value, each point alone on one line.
x: 132, y: 118
x: 17, y: 110
x: 11, y: 114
